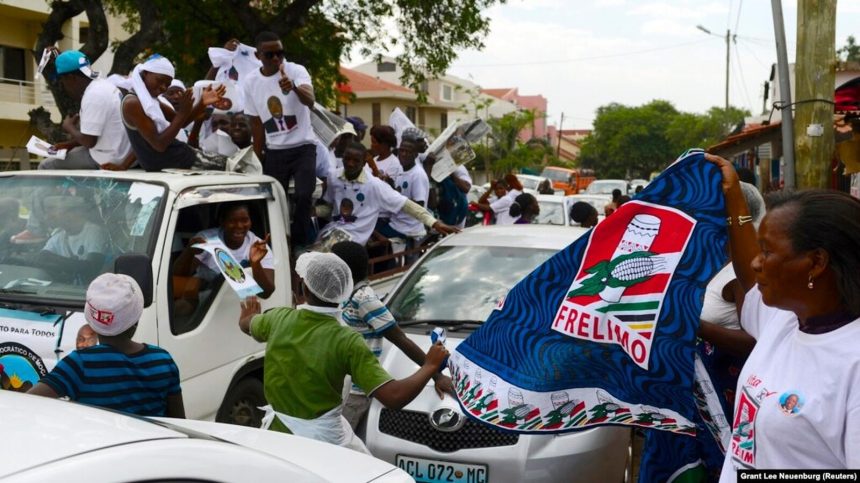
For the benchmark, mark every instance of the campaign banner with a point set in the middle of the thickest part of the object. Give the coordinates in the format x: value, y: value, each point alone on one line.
x: 604, y: 331
x: 31, y: 344
x: 240, y: 279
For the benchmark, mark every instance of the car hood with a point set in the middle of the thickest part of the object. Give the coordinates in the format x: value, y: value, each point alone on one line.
x: 38, y: 429
x: 314, y: 456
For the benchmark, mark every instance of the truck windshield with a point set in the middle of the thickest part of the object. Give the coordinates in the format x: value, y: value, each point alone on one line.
x: 57, y: 233
x: 556, y: 175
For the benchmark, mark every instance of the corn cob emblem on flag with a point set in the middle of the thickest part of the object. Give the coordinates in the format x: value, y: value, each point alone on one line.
x: 604, y: 331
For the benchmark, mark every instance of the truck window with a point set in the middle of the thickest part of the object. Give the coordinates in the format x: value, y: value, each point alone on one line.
x: 57, y: 233
x: 194, y: 282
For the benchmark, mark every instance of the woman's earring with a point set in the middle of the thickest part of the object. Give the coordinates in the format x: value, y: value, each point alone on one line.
x: 810, y: 285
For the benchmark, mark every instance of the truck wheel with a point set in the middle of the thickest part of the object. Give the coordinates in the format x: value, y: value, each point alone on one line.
x: 240, y: 405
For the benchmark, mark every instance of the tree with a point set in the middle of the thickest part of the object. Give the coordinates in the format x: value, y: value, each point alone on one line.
x: 315, y: 33
x: 633, y: 142
x: 850, y: 52
x: 504, y: 151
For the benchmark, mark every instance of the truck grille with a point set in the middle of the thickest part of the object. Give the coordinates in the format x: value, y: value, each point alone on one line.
x: 415, y: 426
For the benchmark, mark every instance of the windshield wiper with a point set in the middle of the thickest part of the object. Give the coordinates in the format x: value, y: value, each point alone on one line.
x: 453, y: 324
x: 16, y: 291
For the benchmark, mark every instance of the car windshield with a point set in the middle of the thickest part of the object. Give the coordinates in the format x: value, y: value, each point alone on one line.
x: 551, y: 213
x: 556, y: 175
x: 529, y: 183
x: 58, y: 233
x: 462, y: 283
x: 606, y: 187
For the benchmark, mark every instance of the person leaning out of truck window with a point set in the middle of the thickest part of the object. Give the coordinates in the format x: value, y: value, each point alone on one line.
x: 117, y: 373
x: 234, y: 230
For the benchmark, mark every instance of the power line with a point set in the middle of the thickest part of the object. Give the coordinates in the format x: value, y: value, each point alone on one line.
x: 743, y: 80
x: 752, y: 52
x: 580, y: 59
x: 738, y: 21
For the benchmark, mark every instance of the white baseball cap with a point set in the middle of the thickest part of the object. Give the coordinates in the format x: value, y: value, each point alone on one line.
x: 114, y: 304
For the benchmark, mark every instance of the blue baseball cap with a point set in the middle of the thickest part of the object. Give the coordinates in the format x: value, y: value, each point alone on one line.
x: 72, y: 60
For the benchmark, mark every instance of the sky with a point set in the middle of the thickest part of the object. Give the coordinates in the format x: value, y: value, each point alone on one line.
x: 583, y: 54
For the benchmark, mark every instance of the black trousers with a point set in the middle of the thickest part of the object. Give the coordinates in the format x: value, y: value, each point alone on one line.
x: 298, y: 164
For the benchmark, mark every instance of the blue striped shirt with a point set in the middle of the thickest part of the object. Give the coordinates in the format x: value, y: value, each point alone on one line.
x: 103, y: 376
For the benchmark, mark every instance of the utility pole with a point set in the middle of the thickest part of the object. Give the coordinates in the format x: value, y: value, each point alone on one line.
x: 728, y: 47
x: 787, y: 124
x: 560, y: 126
x: 814, y: 74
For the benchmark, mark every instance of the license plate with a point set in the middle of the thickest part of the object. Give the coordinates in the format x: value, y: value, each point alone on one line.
x: 434, y: 471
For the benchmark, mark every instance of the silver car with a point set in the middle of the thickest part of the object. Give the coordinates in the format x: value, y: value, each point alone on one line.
x: 456, y: 285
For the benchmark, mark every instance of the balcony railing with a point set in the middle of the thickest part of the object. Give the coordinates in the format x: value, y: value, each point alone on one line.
x: 25, y: 92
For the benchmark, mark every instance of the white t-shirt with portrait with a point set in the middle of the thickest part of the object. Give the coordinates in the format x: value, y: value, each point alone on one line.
x: 414, y: 185
x: 91, y: 239
x: 369, y: 196
x: 293, y: 127
x: 389, y: 166
x: 101, y: 116
x: 798, y: 396
x: 501, y: 206
x: 241, y: 254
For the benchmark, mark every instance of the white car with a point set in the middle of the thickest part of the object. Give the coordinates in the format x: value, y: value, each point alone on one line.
x: 531, y: 183
x: 606, y: 186
x: 50, y: 440
x: 456, y: 285
x: 634, y: 183
x: 597, y: 201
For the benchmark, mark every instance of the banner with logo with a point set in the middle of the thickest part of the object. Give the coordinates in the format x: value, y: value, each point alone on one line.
x: 241, y: 279
x: 32, y: 343
x: 604, y: 331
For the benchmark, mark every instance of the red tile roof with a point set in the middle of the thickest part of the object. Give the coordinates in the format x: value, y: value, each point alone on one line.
x: 359, y: 82
x: 500, y: 93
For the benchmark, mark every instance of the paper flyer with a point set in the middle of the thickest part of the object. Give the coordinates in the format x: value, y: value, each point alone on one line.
x: 326, y: 125
x: 240, y: 279
x: 399, y: 122
x: 219, y: 142
x: 230, y: 102
x: 42, y: 148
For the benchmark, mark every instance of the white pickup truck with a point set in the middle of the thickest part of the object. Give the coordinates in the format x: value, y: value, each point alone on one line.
x: 148, y: 219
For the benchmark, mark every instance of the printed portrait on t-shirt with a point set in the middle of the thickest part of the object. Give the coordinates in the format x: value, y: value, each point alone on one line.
x: 278, y: 122
x: 790, y: 403
x: 346, y: 209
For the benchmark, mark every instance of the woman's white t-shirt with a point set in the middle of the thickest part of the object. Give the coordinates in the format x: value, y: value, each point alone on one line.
x: 241, y: 254
x: 798, y: 395
x: 715, y: 308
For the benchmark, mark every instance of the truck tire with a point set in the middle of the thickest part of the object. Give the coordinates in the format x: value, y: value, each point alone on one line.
x: 241, y: 403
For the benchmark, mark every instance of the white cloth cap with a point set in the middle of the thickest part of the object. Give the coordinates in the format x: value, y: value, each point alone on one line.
x: 177, y: 83
x: 151, y: 106
x: 121, y: 81
x: 114, y: 304
x: 326, y: 275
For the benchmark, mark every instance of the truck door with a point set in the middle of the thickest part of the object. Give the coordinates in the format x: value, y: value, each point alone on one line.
x: 198, y: 321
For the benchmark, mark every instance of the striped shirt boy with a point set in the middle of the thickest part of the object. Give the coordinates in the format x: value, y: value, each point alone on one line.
x: 368, y: 316
x: 102, y: 376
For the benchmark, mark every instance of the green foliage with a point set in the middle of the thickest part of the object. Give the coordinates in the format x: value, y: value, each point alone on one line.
x: 504, y: 152
x: 850, y: 52
x: 632, y: 142
x: 318, y: 33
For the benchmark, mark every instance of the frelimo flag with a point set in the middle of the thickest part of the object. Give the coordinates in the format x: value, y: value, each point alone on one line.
x: 604, y: 331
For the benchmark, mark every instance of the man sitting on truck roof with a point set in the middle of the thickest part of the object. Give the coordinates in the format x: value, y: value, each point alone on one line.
x: 309, y: 353
x: 98, y: 138
x: 370, y: 195
x: 117, y: 373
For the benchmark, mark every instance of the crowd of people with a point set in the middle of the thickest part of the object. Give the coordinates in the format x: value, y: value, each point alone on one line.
x: 785, y: 310
x: 254, y: 98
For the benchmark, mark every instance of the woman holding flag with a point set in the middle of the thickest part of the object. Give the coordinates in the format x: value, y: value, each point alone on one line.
x: 801, y: 275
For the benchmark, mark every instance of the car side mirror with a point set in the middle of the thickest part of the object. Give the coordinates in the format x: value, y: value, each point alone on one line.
x: 139, y: 267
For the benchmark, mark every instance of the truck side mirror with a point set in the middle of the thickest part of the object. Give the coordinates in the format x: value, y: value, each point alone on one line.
x: 139, y: 267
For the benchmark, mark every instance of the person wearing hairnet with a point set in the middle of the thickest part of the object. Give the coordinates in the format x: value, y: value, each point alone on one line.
x: 308, y: 354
